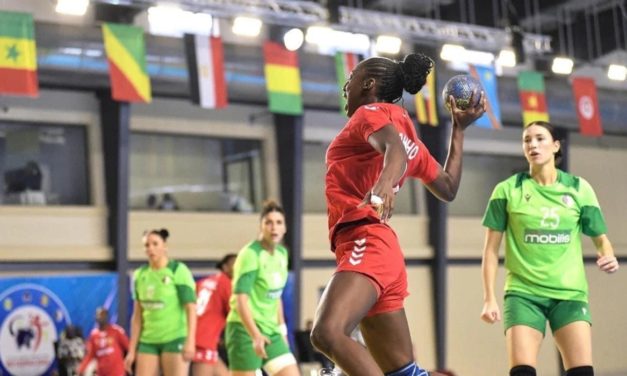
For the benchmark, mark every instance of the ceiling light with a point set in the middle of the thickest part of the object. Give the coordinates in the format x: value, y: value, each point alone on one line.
x: 562, y: 65
x: 507, y: 58
x: 388, y: 44
x: 293, y: 39
x: 617, y: 72
x: 247, y: 26
x: 72, y: 7
x: 451, y: 52
x: 172, y: 21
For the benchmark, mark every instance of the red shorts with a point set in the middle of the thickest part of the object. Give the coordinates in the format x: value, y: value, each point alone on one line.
x: 373, y: 250
x: 207, y: 356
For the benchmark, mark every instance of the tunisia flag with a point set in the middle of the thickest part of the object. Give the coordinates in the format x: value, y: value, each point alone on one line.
x: 587, y: 106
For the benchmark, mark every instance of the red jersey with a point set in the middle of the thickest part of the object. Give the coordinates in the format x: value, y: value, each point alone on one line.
x: 108, y: 347
x: 212, y: 307
x: 353, y: 165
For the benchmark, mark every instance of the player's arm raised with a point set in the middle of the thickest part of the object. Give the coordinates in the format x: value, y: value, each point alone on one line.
x: 445, y: 186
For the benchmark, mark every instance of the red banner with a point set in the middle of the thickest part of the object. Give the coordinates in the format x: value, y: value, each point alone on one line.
x: 587, y: 106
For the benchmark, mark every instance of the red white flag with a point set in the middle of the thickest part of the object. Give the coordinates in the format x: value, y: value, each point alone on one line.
x: 587, y: 106
x: 205, y: 63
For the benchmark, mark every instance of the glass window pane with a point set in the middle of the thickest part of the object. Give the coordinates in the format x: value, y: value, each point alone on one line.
x: 482, y: 172
x: 43, y: 164
x: 194, y: 173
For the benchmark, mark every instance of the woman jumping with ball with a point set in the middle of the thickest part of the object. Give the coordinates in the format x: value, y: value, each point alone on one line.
x: 367, y: 162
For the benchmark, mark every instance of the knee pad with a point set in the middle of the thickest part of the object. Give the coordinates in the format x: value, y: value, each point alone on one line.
x: 522, y: 371
x: 581, y: 371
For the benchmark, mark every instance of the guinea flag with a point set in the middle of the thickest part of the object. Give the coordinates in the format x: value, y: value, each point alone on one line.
x: 532, y: 100
x: 18, y: 55
x: 282, y: 79
x: 126, y: 53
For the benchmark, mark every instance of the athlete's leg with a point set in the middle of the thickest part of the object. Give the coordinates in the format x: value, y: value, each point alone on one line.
x: 243, y: 373
x: 344, y: 303
x: 574, y: 342
x: 146, y: 364
x: 206, y: 369
x: 523, y: 344
x: 291, y: 370
x: 220, y: 369
x: 388, y: 339
x: 173, y: 364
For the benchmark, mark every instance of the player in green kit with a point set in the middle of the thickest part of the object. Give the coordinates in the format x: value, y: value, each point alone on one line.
x: 543, y: 213
x: 163, y: 325
x: 256, y: 335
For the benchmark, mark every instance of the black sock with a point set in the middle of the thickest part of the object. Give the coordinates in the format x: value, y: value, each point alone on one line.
x: 522, y: 371
x: 581, y: 371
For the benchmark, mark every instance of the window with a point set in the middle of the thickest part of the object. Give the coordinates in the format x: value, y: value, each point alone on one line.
x: 314, y: 171
x: 43, y: 164
x: 195, y: 173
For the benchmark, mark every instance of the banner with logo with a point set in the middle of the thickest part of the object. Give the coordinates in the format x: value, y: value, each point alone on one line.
x: 34, y: 311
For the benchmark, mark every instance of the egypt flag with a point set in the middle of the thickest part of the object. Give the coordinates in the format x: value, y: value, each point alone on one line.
x: 345, y: 62
x: 18, y: 55
x: 587, y: 105
x: 282, y: 79
x: 532, y: 99
x: 426, y: 106
x: 205, y: 64
x: 126, y: 54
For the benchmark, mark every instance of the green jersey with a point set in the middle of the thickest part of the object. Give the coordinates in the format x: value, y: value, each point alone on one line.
x: 163, y: 294
x: 262, y: 276
x: 543, y: 226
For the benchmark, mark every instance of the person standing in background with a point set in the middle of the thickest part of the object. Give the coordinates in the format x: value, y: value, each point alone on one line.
x: 107, y: 344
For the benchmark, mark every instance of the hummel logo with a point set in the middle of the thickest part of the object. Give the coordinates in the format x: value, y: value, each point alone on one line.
x: 371, y: 108
x: 527, y: 197
x: 359, y: 250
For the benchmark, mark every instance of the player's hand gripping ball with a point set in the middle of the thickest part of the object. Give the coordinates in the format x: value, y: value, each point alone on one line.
x: 461, y: 88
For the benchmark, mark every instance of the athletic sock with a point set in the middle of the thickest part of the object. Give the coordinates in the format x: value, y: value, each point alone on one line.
x: 522, y: 371
x: 581, y: 371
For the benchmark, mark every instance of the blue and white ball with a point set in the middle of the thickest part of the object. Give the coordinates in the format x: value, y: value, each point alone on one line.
x: 461, y: 88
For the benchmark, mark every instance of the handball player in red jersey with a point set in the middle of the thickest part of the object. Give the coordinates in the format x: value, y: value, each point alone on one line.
x: 107, y: 344
x: 212, y: 307
x: 367, y: 163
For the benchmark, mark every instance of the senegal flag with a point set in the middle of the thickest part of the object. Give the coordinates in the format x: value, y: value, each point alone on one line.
x: 282, y: 79
x: 126, y: 53
x: 18, y: 55
x: 532, y: 100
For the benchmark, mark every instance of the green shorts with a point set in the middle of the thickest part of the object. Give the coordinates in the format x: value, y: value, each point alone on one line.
x: 242, y: 356
x: 534, y: 311
x: 175, y: 346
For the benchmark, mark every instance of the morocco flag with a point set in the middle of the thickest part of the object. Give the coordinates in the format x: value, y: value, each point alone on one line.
x: 18, y: 55
x: 532, y: 100
x: 587, y: 106
x: 205, y: 63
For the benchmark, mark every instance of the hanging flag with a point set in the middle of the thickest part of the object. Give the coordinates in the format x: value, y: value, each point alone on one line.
x: 426, y: 106
x: 205, y: 64
x: 345, y: 62
x: 126, y: 53
x: 587, y: 105
x: 282, y: 79
x: 487, y: 76
x: 18, y: 54
x: 532, y: 99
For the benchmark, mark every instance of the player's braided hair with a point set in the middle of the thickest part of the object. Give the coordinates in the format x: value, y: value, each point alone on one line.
x: 392, y: 76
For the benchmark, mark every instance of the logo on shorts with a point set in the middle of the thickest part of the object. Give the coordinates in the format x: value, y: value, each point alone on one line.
x: 359, y: 250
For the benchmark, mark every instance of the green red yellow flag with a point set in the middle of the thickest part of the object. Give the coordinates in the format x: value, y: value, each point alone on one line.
x: 18, y: 54
x: 345, y: 62
x: 126, y: 54
x: 282, y: 79
x: 532, y: 99
x: 426, y: 105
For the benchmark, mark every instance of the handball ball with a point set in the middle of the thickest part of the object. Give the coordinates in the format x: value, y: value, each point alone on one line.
x: 461, y: 88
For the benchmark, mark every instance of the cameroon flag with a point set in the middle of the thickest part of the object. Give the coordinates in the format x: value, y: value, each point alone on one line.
x: 282, y: 79
x: 18, y: 54
x: 126, y: 53
x: 532, y: 100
